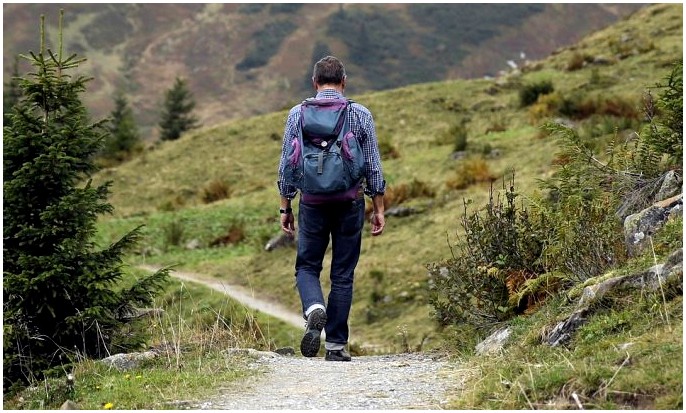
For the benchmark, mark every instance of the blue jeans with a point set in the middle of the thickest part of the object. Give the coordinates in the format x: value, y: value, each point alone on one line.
x: 343, y: 223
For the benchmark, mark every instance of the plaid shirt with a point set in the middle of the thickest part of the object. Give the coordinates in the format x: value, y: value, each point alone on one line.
x: 361, y: 124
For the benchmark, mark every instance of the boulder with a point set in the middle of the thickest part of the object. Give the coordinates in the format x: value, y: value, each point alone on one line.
x: 494, y: 343
x: 128, y: 361
x: 638, y: 227
x: 399, y: 211
x: 671, y: 186
x: 668, y: 273
x: 281, y: 240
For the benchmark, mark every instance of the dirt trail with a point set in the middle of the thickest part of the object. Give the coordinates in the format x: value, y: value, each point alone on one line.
x: 240, y: 294
x: 396, y: 381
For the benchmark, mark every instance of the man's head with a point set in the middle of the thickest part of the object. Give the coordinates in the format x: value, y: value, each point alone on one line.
x: 328, y: 71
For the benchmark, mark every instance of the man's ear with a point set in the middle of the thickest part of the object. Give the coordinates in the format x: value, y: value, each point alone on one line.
x: 314, y: 84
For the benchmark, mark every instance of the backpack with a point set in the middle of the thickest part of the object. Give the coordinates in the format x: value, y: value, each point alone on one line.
x: 326, y: 162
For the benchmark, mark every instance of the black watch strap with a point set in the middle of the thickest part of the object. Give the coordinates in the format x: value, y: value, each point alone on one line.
x: 286, y: 211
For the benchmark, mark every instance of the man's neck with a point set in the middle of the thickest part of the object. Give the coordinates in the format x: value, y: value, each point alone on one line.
x: 337, y: 88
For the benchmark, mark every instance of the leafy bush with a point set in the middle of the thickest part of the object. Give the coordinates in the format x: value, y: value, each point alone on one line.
x: 528, y: 94
x: 576, y: 61
x: 457, y: 133
x: 470, y: 171
x: 665, y: 131
x: 501, y: 250
x: 174, y: 233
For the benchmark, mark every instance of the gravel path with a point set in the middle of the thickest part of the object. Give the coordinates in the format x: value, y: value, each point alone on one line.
x: 388, y: 382
x: 399, y: 381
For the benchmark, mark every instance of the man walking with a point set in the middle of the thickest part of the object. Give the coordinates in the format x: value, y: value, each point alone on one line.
x: 322, y: 217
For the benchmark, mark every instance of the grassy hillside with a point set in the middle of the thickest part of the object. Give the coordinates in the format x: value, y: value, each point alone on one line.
x: 629, y: 354
x: 164, y: 188
x: 248, y: 59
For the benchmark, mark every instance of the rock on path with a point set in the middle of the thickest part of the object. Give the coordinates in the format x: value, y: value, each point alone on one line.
x: 399, y: 381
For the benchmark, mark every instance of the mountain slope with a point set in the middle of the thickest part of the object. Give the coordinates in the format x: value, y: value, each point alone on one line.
x: 248, y: 59
x: 165, y: 187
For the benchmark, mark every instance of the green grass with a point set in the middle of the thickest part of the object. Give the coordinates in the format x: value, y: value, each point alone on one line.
x: 626, y: 357
x: 198, y: 325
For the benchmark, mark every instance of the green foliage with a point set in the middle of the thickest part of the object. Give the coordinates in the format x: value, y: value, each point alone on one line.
x: 586, y: 238
x: 529, y: 93
x: 665, y: 132
x: 501, y: 250
x: 61, y: 297
x: 177, y: 116
x: 174, y: 233
x: 458, y: 134
x: 124, y: 139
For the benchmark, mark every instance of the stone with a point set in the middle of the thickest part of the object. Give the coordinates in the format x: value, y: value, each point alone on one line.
x: 639, y: 226
x: 671, y: 185
x: 399, y: 211
x: 281, y: 240
x: 193, y: 244
x: 285, y: 351
x: 494, y: 343
x: 128, y: 361
x: 69, y: 405
x: 563, y: 331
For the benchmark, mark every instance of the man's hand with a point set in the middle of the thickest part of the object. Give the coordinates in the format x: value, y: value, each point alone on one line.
x: 378, y: 222
x: 288, y: 223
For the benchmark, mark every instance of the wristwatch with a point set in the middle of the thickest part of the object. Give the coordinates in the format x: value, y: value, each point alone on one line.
x: 286, y: 211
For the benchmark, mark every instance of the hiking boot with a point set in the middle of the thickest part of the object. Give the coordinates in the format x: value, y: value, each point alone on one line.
x: 337, y: 355
x: 309, y: 346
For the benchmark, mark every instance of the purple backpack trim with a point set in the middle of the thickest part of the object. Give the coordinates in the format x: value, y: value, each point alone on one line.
x: 349, y: 195
x: 296, y: 152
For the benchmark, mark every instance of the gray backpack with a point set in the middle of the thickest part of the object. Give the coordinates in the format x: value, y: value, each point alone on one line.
x: 326, y: 162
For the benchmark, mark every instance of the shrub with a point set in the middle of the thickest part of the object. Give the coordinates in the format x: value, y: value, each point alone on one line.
x: 397, y: 194
x: 457, y: 134
x: 173, y: 233
x: 576, y: 61
x: 586, y: 238
x: 545, y: 107
x: 665, y: 132
x: 582, y: 107
x: 215, y: 190
x: 501, y: 250
x: 387, y: 150
x: 470, y: 171
x: 528, y: 94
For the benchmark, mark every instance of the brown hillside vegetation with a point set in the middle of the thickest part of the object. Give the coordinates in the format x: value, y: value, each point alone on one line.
x: 141, y: 48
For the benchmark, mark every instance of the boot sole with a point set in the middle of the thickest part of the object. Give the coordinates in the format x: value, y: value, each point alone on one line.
x: 309, y: 346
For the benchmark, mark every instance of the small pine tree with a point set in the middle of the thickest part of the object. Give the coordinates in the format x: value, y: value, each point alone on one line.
x: 124, y: 139
x: 60, y: 292
x: 176, y: 114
